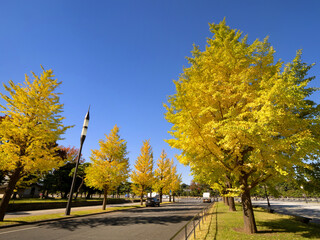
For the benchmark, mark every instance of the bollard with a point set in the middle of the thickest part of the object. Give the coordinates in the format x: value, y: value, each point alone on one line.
x: 185, y: 233
x: 194, y: 230
x: 202, y: 216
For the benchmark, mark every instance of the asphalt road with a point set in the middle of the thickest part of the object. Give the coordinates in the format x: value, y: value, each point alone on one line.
x: 309, y: 210
x: 141, y: 223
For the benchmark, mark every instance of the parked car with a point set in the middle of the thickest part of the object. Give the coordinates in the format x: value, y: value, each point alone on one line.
x: 153, y: 202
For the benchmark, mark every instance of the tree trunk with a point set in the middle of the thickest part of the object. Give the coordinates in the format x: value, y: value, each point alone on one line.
x: 105, y: 196
x: 14, y: 178
x: 160, y: 193
x: 169, y: 197
x: 141, y: 199
x: 232, y: 206
x: 265, y: 189
x: 224, y: 199
x: 77, y: 193
x: 117, y: 193
x: 14, y: 196
x: 65, y: 195
x: 173, y: 198
x: 248, y: 215
x: 230, y: 200
x: 227, y: 201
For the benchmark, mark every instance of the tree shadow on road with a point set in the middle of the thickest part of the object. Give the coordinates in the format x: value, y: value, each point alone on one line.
x: 162, y: 209
x: 104, y: 220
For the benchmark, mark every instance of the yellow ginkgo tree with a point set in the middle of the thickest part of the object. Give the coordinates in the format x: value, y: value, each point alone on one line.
x: 174, y: 182
x: 29, y: 130
x: 241, y: 111
x: 142, y: 176
x: 162, y: 175
x: 109, y: 164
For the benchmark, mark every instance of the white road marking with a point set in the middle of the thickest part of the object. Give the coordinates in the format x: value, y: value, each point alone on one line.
x: 18, y: 230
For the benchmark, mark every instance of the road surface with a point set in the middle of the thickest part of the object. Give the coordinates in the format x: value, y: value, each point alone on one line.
x: 141, y: 223
x: 309, y: 210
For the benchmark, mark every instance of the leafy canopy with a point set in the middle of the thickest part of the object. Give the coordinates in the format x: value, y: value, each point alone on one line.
x: 110, y: 165
x: 142, y: 177
x: 32, y: 125
x: 162, y: 174
x: 241, y: 112
x: 175, y: 180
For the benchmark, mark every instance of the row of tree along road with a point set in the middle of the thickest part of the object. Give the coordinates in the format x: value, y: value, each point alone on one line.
x: 32, y: 124
x: 240, y: 118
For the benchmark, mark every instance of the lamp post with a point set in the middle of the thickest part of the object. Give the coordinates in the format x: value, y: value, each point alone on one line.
x: 304, y: 193
x: 82, y: 138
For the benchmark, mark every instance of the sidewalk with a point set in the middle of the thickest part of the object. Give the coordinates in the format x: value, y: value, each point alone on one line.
x: 308, y: 210
x: 61, y: 210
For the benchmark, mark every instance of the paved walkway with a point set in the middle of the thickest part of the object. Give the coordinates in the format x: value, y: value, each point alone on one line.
x: 61, y: 210
x: 309, y: 210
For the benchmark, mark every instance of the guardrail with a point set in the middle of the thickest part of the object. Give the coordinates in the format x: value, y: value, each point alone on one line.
x: 190, y: 228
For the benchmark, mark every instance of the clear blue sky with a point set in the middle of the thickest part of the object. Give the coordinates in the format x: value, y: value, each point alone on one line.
x: 121, y: 56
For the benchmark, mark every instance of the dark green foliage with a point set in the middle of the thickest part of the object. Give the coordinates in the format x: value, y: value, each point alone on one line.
x: 59, y: 180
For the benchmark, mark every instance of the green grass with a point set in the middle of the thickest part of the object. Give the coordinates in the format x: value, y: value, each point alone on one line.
x: 31, y: 219
x: 223, y: 225
x: 35, y: 200
x: 38, y: 200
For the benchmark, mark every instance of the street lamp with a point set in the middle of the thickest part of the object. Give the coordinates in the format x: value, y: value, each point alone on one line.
x: 82, y: 138
x: 304, y: 193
